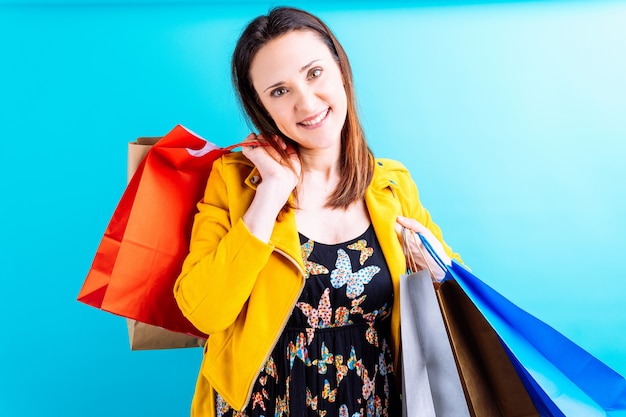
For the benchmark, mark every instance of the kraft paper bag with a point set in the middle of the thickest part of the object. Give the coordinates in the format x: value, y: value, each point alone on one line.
x: 144, y: 336
x: 492, y: 385
x: 147, y: 239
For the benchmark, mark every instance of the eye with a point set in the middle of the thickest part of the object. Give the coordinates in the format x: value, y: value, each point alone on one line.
x: 315, y: 72
x: 277, y: 92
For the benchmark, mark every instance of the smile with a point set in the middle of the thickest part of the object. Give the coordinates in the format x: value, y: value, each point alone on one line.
x: 317, y: 120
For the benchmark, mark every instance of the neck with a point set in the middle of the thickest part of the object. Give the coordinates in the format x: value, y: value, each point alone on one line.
x: 321, y: 174
x: 319, y: 180
x: 320, y: 164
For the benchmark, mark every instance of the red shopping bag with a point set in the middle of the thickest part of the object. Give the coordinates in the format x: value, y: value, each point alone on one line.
x: 147, y: 239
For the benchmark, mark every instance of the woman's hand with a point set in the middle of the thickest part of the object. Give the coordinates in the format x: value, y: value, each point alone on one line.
x: 419, y: 252
x: 278, y: 179
x: 275, y: 172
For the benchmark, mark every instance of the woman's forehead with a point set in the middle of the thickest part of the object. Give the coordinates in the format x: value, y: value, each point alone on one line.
x: 288, y: 54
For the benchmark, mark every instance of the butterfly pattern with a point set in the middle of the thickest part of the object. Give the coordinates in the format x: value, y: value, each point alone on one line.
x: 365, y: 252
x: 298, y: 350
x: 341, y: 370
x: 310, y: 400
x: 310, y: 267
x: 320, y: 317
x: 257, y: 400
x: 325, y: 359
x: 270, y: 368
x: 336, y: 342
x: 343, y: 412
x: 328, y: 393
x: 355, y: 281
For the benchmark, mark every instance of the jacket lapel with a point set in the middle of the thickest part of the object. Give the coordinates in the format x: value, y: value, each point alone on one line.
x: 384, y: 206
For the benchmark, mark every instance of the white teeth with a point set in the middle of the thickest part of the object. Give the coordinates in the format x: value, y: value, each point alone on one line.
x: 316, y: 120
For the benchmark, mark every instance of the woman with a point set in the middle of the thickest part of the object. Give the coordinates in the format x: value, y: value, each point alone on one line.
x: 295, y: 257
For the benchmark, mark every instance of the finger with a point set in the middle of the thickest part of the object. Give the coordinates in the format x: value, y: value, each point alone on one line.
x: 266, y: 138
x: 398, y: 228
x: 278, y: 141
x: 251, y: 140
x: 408, y: 232
x: 418, y: 227
x: 411, y: 224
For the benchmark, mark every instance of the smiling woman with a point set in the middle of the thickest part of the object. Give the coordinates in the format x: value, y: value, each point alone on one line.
x: 508, y: 114
x: 296, y: 279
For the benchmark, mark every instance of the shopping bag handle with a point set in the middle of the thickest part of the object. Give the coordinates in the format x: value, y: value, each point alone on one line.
x: 412, y: 265
x: 411, y: 262
x: 253, y: 143
x: 432, y: 252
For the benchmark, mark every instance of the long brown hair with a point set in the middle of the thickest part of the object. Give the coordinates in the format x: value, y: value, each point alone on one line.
x: 357, y: 160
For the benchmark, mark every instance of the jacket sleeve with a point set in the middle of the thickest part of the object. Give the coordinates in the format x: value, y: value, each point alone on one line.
x: 224, y: 259
x: 412, y: 206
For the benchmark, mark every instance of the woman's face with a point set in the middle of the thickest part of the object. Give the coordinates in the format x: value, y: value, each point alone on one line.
x: 301, y: 87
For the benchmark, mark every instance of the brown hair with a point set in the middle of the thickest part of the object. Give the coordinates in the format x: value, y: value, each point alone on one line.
x: 357, y: 160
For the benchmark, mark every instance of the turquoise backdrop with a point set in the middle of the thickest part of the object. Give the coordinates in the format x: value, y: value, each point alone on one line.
x: 510, y: 115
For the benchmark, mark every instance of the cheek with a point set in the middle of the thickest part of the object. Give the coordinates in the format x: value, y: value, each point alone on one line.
x: 337, y: 89
x: 279, y: 118
x: 279, y: 113
x: 270, y: 108
x: 340, y: 97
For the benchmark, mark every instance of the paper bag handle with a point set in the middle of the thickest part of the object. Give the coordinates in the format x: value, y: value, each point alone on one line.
x: 433, y: 253
x: 412, y: 264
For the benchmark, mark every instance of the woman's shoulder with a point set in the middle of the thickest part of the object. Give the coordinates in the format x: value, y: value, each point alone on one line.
x: 235, y: 158
x: 390, y: 165
x: 392, y: 173
x: 232, y: 167
x: 392, y: 169
x: 233, y: 161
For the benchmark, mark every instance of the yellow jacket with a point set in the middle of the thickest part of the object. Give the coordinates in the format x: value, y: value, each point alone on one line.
x: 241, y: 291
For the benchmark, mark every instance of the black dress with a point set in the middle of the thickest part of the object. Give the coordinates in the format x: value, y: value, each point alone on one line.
x: 334, y: 356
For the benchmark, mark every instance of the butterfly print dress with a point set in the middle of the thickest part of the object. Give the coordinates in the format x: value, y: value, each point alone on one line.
x: 334, y: 356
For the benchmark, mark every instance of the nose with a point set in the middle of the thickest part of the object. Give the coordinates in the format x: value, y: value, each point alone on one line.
x: 306, y: 99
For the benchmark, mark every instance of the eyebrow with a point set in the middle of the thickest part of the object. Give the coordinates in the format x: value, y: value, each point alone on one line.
x: 304, y: 68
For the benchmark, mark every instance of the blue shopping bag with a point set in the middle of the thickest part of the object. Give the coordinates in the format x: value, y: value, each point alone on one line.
x: 561, y: 377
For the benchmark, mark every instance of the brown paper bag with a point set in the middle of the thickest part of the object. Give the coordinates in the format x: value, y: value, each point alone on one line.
x: 144, y: 336
x: 492, y: 386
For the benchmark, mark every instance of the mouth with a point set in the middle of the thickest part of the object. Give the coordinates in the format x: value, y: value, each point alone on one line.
x: 316, y: 120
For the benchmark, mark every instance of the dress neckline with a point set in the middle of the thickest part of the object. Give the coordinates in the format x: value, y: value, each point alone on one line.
x: 330, y: 245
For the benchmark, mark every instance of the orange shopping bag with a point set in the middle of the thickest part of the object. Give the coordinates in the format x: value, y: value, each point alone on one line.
x: 147, y: 239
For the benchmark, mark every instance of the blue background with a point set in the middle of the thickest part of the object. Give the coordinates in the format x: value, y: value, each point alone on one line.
x: 510, y: 116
